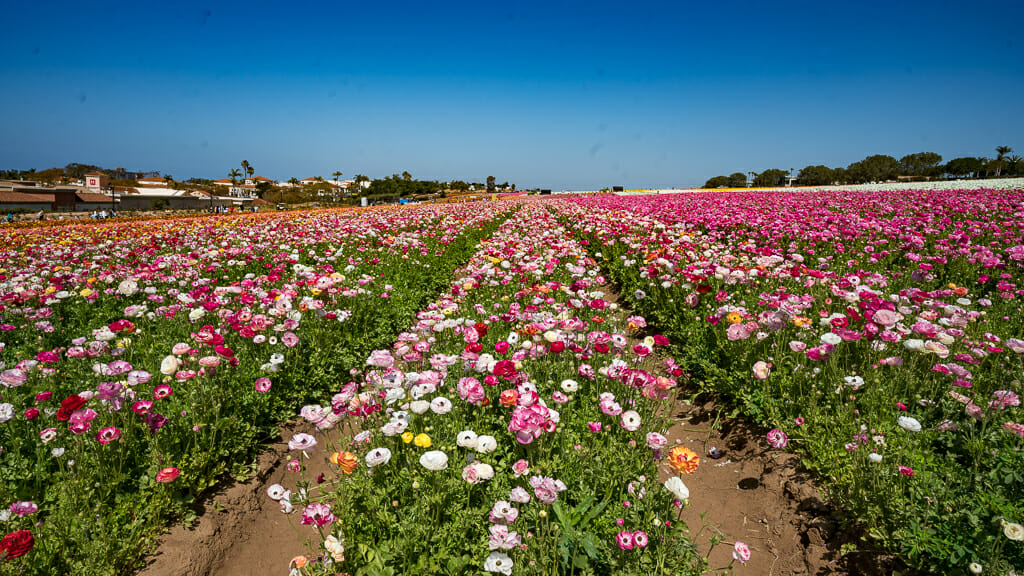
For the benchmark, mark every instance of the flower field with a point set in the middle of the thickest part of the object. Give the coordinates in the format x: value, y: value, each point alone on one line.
x: 488, y: 405
x: 878, y: 333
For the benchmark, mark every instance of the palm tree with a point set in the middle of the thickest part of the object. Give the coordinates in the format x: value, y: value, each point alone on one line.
x: 294, y: 181
x: 337, y: 174
x: 245, y: 167
x: 406, y: 176
x: 1001, y: 152
x: 234, y: 174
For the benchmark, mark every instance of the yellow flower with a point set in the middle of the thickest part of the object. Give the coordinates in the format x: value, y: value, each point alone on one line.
x: 407, y: 437
x: 422, y: 440
x: 802, y: 321
x: 733, y: 318
x: 86, y: 292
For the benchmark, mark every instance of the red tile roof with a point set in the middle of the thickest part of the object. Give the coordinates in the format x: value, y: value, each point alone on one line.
x: 23, y: 198
x: 95, y: 174
x: 88, y: 197
x: 153, y: 179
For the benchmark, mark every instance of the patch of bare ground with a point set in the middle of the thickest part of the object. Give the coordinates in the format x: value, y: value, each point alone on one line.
x: 240, y: 531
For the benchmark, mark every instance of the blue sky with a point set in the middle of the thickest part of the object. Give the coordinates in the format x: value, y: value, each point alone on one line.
x: 571, y: 95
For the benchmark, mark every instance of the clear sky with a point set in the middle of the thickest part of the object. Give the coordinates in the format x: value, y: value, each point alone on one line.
x: 574, y: 95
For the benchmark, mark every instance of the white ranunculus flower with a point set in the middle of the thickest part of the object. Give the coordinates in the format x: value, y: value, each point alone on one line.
x: 831, y: 338
x: 913, y: 344
x: 434, y: 460
x: 486, y: 444
x: 909, y: 424
x: 498, y: 562
x: 169, y: 365
x: 570, y: 386
x: 677, y: 488
x: 335, y: 548
x: 276, y: 492
x: 467, y: 439
x: 377, y: 457
x: 419, y: 406
x: 441, y: 405
x: 196, y: 314
x: 6, y: 412
x: 1013, y: 531
x: 875, y: 457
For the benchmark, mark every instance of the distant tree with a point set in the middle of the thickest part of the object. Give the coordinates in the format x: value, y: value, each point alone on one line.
x: 717, y: 182
x: 406, y: 176
x: 234, y: 174
x: 964, y: 167
x: 337, y: 174
x: 1001, y: 152
x: 263, y: 188
x: 737, y: 180
x: 245, y: 167
x: 490, y: 183
x: 294, y: 181
x: 1014, y: 164
x: 770, y: 178
x: 819, y: 175
x: 919, y: 164
x: 458, y: 185
x: 877, y: 168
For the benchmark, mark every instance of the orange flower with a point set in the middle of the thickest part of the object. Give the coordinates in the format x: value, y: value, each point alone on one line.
x: 298, y: 562
x: 346, y: 461
x: 683, y: 460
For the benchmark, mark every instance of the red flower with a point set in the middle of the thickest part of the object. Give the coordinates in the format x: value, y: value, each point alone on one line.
x: 480, y: 328
x: 167, y: 474
x: 68, y: 406
x: 31, y: 413
x: 16, y: 544
x: 557, y: 347
x: 504, y: 368
x: 122, y: 326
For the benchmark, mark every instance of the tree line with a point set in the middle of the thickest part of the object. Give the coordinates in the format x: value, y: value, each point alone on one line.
x: 880, y: 168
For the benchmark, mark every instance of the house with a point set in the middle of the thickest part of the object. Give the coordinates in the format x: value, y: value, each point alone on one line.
x: 223, y: 182
x: 10, y: 200
x: 256, y: 180
x: 89, y: 201
x: 309, y: 181
x: 96, y: 181
x: 154, y: 181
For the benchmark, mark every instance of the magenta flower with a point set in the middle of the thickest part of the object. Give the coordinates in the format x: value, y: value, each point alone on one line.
x: 777, y: 438
x: 317, y: 514
x: 741, y: 552
x: 108, y: 435
x: 24, y: 508
x: 640, y: 539
x: 625, y: 540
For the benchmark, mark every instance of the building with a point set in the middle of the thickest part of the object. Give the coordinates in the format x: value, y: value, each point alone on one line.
x: 154, y: 181
x: 224, y: 182
x: 96, y: 181
x: 18, y: 201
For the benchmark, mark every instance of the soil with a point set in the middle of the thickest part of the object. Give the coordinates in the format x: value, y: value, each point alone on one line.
x: 751, y: 493
x: 240, y: 531
x: 762, y: 497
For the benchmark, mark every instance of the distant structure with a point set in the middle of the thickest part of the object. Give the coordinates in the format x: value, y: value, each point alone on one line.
x: 96, y: 181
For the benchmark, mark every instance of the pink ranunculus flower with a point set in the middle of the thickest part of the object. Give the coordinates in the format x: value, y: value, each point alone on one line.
x: 762, y: 369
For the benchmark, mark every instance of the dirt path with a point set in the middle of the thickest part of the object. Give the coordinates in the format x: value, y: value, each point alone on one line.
x: 240, y: 530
